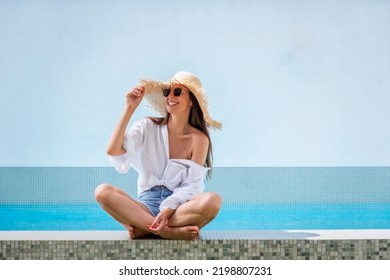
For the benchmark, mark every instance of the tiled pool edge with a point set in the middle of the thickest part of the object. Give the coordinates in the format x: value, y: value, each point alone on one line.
x: 276, y: 249
x: 368, y: 234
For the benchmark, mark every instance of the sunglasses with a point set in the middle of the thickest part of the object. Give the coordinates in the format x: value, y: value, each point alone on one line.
x: 176, y: 92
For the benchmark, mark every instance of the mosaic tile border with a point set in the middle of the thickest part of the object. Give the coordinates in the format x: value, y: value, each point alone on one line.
x: 377, y: 249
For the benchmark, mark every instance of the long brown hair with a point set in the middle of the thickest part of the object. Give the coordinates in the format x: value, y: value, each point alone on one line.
x: 196, y: 120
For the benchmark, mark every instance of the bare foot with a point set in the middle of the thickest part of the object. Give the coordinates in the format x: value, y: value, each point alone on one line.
x: 180, y: 233
x: 135, y: 233
x: 130, y: 229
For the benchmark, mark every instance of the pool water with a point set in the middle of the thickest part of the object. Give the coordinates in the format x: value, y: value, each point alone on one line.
x: 255, y: 198
x: 232, y: 217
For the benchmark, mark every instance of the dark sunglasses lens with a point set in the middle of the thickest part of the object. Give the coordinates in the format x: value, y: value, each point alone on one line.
x: 166, y: 92
x: 177, y: 91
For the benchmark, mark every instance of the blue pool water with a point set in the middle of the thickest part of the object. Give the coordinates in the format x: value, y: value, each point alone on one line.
x: 231, y: 217
x: 271, y: 198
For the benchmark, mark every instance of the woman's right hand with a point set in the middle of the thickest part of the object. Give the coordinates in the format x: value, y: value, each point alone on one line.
x: 134, y: 97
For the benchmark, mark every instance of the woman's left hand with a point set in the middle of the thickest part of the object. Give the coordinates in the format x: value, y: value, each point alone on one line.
x: 161, y: 220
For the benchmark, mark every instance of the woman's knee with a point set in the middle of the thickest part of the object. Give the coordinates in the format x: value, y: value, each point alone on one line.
x: 211, y: 203
x: 103, y: 192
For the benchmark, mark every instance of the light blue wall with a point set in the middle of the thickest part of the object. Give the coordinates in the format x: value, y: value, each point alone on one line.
x: 296, y: 83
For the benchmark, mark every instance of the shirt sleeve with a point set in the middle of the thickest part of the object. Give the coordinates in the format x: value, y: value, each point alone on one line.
x: 132, y: 144
x: 192, y: 185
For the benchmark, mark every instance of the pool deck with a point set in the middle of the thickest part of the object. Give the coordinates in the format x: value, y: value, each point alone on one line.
x: 206, y: 235
x: 212, y: 245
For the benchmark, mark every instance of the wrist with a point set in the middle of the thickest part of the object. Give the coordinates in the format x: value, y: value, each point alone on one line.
x: 168, y: 211
x: 130, y: 108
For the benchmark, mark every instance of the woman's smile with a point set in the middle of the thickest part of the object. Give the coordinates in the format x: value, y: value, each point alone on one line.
x: 172, y: 103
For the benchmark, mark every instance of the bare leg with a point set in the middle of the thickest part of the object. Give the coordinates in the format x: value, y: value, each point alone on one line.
x: 190, y: 217
x: 199, y: 211
x: 133, y: 215
x: 184, y: 224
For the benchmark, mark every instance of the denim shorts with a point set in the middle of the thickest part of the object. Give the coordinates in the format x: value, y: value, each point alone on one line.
x: 153, y: 197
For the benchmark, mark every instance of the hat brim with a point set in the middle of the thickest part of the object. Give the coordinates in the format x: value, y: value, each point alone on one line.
x: 154, y: 96
x: 156, y: 100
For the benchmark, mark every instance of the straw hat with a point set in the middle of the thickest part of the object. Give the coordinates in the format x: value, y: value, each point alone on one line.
x: 155, y: 98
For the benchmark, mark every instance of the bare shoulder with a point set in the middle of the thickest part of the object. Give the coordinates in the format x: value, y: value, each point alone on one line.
x: 200, y: 146
x: 199, y: 137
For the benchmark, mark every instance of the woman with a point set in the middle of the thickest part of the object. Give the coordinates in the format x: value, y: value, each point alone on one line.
x: 171, y: 155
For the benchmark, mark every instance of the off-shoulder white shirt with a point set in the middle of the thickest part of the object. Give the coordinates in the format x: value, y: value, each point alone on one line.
x: 147, y: 151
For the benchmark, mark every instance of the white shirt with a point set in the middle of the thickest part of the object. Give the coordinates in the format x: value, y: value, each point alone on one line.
x: 147, y: 151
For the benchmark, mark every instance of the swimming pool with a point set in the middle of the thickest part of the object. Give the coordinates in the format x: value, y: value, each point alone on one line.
x: 70, y: 217
x: 36, y: 199
x: 61, y: 198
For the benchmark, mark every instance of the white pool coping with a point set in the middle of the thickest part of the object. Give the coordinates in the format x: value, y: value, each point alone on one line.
x: 205, y: 235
